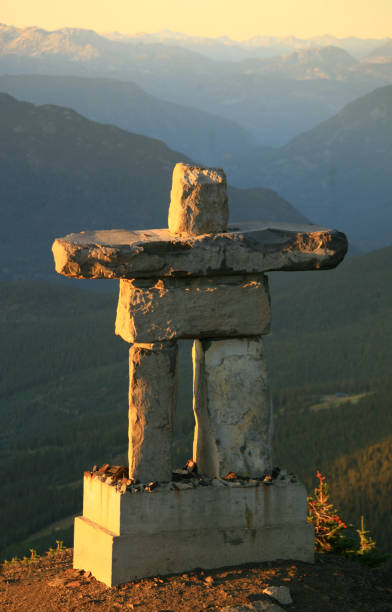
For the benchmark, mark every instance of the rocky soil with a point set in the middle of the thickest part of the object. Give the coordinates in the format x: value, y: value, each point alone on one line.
x: 332, y: 583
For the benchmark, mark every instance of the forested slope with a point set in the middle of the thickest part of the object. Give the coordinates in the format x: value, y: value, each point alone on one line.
x: 337, y: 173
x: 63, y: 393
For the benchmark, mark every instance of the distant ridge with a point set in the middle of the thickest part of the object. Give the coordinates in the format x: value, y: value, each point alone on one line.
x: 76, y: 48
x: 383, y: 51
x: 274, y: 95
x: 224, y: 47
x: 203, y: 136
x: 61, y: 173
x: 338, y: 172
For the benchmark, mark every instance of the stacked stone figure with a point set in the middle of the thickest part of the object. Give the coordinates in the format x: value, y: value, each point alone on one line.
x: 203, y: 280
x: 227, y: 316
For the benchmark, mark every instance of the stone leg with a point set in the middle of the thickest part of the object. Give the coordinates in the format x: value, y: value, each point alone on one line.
x: 152, y: 404
x: 232, y: 407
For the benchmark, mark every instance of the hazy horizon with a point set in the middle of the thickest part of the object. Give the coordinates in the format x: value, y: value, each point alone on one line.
x: 185, y: 34
x: 214, y: 19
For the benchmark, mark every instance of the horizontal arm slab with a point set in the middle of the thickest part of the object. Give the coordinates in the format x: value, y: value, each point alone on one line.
x: 245, y: 248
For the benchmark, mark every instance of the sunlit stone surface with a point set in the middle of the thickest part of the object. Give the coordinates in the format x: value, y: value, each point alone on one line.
x: 246, y: 248
x: 123, y: 536
x: 232, y: 407
x: 152, y: 404
x: 198, y: 200
x: 231, y: 306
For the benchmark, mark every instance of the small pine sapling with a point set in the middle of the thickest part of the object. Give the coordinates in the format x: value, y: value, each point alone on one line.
x: 328, y: 526
x: 329, y: 530
x: 33, y: 555
x: 59, y: 545
x: 367, y: 552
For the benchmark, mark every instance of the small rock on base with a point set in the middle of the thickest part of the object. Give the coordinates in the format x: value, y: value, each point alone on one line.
x: 281, y: 594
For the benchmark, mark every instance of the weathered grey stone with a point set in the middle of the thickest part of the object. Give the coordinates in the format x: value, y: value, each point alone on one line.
x: 123, y: 537
x: 198, y: 200
x: 182, y: 486
x: 233, y: 483
x: 251, y: 483
x: 232, y: 407
x: 280, y: 593
x: 246, y: 248
x: 216, y: 507
x: 150, y: 311
x: 152, y: 404
x: 217, y: 482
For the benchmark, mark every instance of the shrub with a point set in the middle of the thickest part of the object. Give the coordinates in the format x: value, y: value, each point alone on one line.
x: 330, y: 533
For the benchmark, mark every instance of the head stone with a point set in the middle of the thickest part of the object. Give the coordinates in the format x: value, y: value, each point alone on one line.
x: 198, y: 200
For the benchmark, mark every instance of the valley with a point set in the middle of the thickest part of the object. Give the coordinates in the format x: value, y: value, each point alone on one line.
x: 91, y: 127
x: 337, y: 173
x: 64, y: 389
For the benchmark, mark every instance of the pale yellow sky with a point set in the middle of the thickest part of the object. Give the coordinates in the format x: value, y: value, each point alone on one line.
x: 238, y: 19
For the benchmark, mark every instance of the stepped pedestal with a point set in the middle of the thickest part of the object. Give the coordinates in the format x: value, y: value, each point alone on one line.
x: 125, y: 536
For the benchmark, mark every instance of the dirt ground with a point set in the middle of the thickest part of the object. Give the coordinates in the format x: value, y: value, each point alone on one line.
x: 330, y: 584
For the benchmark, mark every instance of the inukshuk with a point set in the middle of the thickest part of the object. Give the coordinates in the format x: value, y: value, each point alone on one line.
x: 204, y: 280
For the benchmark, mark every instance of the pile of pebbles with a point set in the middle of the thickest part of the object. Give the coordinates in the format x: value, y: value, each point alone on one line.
x: 183, y: 479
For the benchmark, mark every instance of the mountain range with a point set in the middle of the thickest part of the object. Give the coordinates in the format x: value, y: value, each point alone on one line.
x: 84, y: 52
x: 338, y: 172
x: 204, y: 137
x: 61, y: 173
x: 220, y: 48
x: 382, y: 53
x: 274, y: 98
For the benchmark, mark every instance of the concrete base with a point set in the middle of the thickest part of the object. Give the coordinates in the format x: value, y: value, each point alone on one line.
x: 125, y: 536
